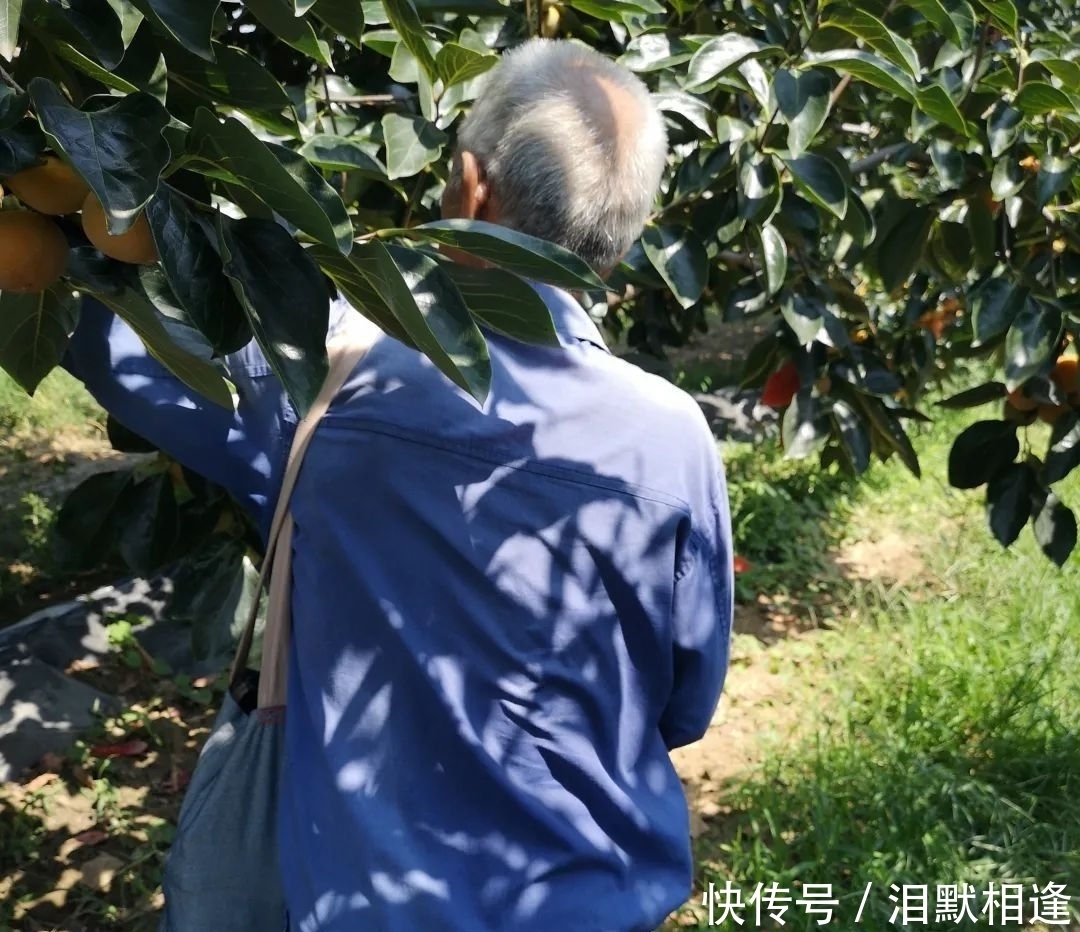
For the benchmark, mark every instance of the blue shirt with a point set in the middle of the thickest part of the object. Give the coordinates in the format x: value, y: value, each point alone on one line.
x: 504, y: 617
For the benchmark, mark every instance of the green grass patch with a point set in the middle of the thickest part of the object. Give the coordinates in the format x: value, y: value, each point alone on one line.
x: 942, y: 724
x: 60, y: 402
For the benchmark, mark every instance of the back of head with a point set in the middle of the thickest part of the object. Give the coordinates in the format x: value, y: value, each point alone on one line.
x: 572, y: 146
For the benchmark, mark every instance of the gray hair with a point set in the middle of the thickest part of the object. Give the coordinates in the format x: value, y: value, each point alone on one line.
x: 562, y: 167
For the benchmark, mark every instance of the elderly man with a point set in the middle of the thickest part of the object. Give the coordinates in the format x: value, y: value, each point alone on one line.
x: 503, y: 617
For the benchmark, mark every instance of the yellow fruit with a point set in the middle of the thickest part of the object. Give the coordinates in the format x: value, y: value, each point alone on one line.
x: 549, y: 25
x: 33, y: 251
x: 52, y: 188
x: 136, y: 246
x: 1066, y: 374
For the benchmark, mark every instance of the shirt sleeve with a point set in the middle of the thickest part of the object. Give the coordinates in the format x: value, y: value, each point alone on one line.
x: 702, y: 615
x: 235, y: 449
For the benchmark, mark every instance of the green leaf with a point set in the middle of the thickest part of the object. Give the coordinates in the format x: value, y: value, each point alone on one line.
x: 819, y: 181
x: 142, y: 68
x: 85, y: 531
x: 189, y: 22
x: 434, y: 314
x: 854, y: 436
x: 345, y: 17
x: 286, y: 301
x: 194, y: 272
x: 759, y: 191
x: 1063, y: 455
x: 1065, y: 70
x: 524, y: 255
x: 887, y: 426
x: 1007, y: 180
x: 406, y: 22
x: 866, y: 67
x: 1037, y: 98
x: 1008, y: 501
x: 456, y: 63
x: 135, y: 309
x: 118, y: 150
x: 994, y: 305
x: 13, y: 107
x: 149, y: 524
x: 1055, y: 175
x: 1031, y: 342
x: 720, y: 55
x: 901, y: 247
x: 34, y: 331
x: 947, y: 25
x: 281, y: 178
x: 694, y: 109
x: 130, y: 19
x: 804, y: 315
x: 655, y: 51
x: 877, y: 35
x: 973, y: 397
x: 412, y: 143
x: 772, y: 252
x: 212, y: 593
x: 353, y: 277
x: 504, y: 303
x: 1004, y: 14
x: 339, y: 153
x: 936, y: 102
x: 804, y: 428
x: 20, y: 146
x: 680, y: 259
x: 802, y: 99
x: 90, y: 26
x: 980, y: 452
x: 279, y: 17
x: 232, y: 79
x: 615, y: 12
x: 1003, y: 128
x: 10, y: 13
x: 1055, y: 530
x: 858, y: 222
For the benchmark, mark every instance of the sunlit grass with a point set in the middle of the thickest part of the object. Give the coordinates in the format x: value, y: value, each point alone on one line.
x: 942, y: 722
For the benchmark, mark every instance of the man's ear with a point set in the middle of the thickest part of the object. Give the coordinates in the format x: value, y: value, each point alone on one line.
x: 470, y: 195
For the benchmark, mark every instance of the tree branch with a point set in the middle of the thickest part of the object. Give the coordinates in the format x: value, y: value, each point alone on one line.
x: 10, y: 81
x: 874, y: 159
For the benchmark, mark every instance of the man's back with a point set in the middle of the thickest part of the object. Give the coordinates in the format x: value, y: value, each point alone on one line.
x: 502, y: 621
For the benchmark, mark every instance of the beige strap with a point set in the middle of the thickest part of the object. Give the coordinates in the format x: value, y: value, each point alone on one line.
x: 344, y: 352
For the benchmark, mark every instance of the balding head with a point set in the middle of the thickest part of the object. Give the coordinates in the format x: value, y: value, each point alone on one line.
x: 562, y: 144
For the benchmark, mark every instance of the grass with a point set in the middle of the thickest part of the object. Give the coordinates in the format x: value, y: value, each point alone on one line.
x: 59, y: 403
x: 42, y: 440
x: 941, y: 738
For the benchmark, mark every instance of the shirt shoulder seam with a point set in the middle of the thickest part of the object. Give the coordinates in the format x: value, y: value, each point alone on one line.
x: 492, y: 453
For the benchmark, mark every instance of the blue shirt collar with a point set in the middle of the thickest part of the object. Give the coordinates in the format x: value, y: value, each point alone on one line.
x: 572, y: 321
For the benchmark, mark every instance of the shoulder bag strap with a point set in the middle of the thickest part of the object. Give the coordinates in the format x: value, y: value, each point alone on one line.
x: 344, y: 352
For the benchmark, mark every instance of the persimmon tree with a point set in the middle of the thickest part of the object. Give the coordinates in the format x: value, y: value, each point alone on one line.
x: 890, y: 185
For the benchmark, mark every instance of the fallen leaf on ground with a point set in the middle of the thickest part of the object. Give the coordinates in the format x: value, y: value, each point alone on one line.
x: 134, y: 748
x: 94, y: 836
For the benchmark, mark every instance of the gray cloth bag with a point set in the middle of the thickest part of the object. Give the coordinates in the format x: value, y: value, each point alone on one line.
x: 222, y: 872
